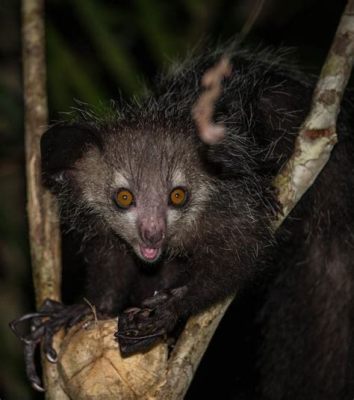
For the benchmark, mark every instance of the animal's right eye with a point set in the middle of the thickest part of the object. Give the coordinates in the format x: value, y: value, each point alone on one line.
x: 124, y: 198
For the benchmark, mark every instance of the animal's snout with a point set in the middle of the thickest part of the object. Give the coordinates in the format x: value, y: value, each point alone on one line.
x: 152, y: 232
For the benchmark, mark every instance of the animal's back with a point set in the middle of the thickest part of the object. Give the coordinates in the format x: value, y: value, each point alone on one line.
x: 142, y: 188
x: 297, y: 317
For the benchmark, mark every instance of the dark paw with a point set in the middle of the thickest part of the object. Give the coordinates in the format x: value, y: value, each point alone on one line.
x: 139, y: 329
x: 50, y: 318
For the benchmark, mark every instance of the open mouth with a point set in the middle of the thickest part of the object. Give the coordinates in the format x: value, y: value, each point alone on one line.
x: 149, y: 254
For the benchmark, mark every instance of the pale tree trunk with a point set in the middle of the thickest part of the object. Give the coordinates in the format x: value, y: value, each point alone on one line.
x: 313, y: 147
x: 314, y: 144
x: 42, y: 213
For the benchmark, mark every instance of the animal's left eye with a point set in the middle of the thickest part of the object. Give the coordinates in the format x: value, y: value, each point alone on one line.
x: 124, y: 198
x: 178, y: 197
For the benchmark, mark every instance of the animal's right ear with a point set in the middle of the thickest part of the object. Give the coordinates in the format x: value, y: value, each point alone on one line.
x: 61, y: 146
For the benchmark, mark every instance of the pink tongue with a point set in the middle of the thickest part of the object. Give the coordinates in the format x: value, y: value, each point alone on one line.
x: 148, y: 252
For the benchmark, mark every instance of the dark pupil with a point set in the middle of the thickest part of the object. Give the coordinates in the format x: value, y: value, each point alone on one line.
x: 125, y: 197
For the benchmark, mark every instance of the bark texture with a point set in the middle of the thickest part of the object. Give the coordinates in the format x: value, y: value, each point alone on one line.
x: 313, y: 147
x: 314, y: 144
x: 41, y: 207
x: 318, y: 136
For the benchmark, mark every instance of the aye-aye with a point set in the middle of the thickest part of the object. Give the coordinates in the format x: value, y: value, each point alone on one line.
x: 169, y: 225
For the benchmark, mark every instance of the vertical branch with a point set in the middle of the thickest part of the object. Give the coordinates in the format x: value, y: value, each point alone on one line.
x: 42, y: 216
x: 314, y: 144
x: 318, y: 135
x: 42, y: 213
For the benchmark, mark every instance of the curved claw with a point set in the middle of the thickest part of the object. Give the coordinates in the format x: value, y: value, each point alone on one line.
x: 130, y: 335
x: 13, y: 324
x: 48, y: 349
x: 51, y: 317
x: 37, y: 387
x: 31, y: 372
x: 140, y: 328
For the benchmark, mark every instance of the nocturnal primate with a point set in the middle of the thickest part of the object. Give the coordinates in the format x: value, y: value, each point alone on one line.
x: 169, y: 225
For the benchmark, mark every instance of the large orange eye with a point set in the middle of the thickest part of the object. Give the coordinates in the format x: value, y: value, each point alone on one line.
x: 124, y: 198
x: 178, y: 197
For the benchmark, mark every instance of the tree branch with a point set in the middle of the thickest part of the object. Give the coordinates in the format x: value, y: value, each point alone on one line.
x: 316, y: 140
x: 313, y: 147
x: 318, y: 135
x: 42, y: 213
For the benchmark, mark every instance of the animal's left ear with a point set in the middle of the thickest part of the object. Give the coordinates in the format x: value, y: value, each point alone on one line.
x: 61, y: 146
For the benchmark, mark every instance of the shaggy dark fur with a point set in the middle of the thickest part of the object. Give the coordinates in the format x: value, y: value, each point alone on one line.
x: 220, y: 238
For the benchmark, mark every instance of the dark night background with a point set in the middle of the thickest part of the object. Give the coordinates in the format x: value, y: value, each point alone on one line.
x: 95, y: 49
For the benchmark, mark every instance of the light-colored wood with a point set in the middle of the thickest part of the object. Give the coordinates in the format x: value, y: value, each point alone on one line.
x: 43, y: 223
x: 316, y: 140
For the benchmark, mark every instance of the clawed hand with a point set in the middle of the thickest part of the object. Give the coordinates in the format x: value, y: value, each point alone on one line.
x: 51, y: 317
x: 141, y: 328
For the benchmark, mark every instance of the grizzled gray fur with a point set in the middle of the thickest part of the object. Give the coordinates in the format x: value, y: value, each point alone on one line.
x: 170, y: 225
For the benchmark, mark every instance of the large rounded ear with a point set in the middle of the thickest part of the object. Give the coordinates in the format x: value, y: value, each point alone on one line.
x: 61, y: 146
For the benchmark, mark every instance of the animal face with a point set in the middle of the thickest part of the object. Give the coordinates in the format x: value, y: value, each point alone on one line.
x: 148, y: 187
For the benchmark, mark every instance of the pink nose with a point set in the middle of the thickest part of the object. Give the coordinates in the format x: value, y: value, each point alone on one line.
x: 152, y: 233
x: 152, y: 238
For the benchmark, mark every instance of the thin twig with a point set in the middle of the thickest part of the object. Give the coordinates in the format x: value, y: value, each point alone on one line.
x: 314, y: 145
x: 251, y: 20
x: 318, y: 136
x: 318, y: 131
x: 42, y: 216
x: 93, y: 309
